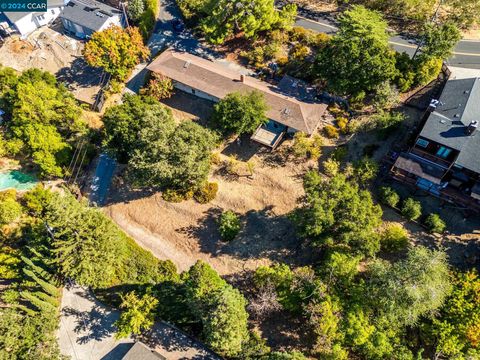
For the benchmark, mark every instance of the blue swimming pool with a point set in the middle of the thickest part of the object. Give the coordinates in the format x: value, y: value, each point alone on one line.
x: 17, y: 180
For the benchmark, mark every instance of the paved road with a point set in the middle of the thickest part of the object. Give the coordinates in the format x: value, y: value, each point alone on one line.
x: 102, y: 179
x: 466, y: 53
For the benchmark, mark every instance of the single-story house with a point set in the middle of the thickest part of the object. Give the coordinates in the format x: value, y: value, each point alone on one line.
x: 25, y: 23
x: 139, y: 351
x: 291, y: 105
x: 82, y: 18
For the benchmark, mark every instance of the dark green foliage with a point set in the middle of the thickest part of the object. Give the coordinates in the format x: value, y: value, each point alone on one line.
x: 92, y: 250
x: 219, y: 307
x: 135, y: 9
x: 335, y: 212
x: 122, y: 123
x: 240, y: 113
x: 365, y: 170
x: 388, y: 196
x: 435, y: 224
x: 411, y: 209
x: 159, y: 153
x: 358, y: 58
x: 206, y: 193
x: 229, y: 225
x: 440, y: 40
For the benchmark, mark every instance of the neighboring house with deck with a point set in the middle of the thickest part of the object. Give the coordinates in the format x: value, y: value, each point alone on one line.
x: 291, y: 104
x: 445, y: 157
x: 24, y: 23
x: 82, y: 18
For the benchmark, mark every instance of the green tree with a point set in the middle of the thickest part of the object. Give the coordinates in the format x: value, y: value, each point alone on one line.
x: 239, y: 113
x: 389, y: 197
x: 410, y: 288
x: 116, y: 50
x: 135, y: 9
x: 171, y: 156
x: 137, y: 314
x: 10, y: 209
x: 228, y: 18
x: 159, y: 87
x: 225, y: 326
x: 335, y: 211
x: 45, y: 119
x: 360, y: 53
x: 411, y: 209
x: 455, y: 332
x: 435, y: 224
x: 394, y: 237
x: 229, y: 225
x: 439, y: 40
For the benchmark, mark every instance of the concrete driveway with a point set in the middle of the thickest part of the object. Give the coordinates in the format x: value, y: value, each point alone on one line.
x: 87, y: 333
x: 86, y: 328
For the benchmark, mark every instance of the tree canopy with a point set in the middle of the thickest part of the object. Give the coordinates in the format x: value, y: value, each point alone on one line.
x: 116, y: 50
x: 43, y: 119
x: 239, y: 113
x: 358, y: 58
x: 336, y: 212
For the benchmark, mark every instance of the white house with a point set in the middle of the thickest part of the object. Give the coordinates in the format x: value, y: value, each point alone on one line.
x: 24, y: 23
x: 82, y: 18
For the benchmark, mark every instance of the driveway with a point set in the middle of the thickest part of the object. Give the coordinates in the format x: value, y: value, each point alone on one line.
x: 163, y: 36
x: 87, y: 332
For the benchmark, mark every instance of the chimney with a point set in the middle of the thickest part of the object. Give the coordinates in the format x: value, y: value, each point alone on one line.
x: 242, y: 78
x: 471, y: 127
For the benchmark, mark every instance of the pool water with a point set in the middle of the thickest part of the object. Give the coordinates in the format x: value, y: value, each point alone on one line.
x: 16, y: 180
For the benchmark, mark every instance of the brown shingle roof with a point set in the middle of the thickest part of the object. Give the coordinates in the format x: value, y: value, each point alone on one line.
x: 218, y: 81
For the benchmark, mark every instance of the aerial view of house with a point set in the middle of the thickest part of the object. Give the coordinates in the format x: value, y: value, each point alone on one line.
x: 240, y: 180
x: 289, y: 110
x: 444, y: 158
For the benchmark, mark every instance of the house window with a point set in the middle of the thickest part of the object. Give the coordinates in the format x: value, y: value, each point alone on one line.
x: 443, y: 152
x: 53, y: 12
x: 422, y: 142
x: 193, y: 91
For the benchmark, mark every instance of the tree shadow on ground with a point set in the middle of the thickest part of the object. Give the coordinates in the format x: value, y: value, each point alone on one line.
x: 172, y: 339
x: 243, y: 148
x: 96, y: 324
x: 264, y: 235
x: 80, y: 75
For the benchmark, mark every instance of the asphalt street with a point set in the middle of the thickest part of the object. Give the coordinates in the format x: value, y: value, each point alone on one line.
x: 466, y: 53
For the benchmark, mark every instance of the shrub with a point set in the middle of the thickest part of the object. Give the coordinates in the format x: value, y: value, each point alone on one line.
x: 10, y: 209
x: 411, y: 209
x: 255, y: 57
x: 305, y: 147
x: 435, y: 224
x: 331, y: 167
x: 176, y: 196
x: 386, y: 96
x: 427, y: 69
x: 229, y: 225
x: 331, y: 132
x: 365, y: 170
x: 159, y: 87
x: 342, y: 123
x: 215, y: 158
x: 394, y: 237
x: 206, y: 193
x: 389, y: 197
x: 340, y: 153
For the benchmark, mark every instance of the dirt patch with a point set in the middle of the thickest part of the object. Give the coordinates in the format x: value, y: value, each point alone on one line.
x: 185, y: 232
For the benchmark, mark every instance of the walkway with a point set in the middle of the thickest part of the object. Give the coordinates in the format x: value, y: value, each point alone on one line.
x: 87, y: 333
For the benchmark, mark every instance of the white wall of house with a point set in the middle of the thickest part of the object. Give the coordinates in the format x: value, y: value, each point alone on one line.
x: 32, y: 21
x: 114, y: 20
x: 190, y: 90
